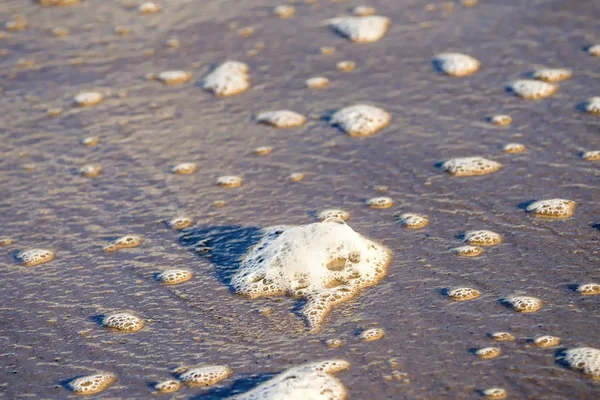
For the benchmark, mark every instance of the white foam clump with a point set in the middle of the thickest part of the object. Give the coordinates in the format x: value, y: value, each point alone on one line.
x: 585, y: 359
x: 281, y: 118
x: 361, y: 119
x: 533, y: 89
x: 312, y: 381
x: 174, y: 77
x: 88, y: 99
x: 593, y: 105
x: 228, y: 79
x: 361, y: 29
x: 552, y: 208
x: 92, y: 384
x: 594, y: 50
x: 456, y: 64
x: 205, y: 376
x: 325, y: 262
x: 470, y: 166
x: 593, y: 155
x: 553, y: 74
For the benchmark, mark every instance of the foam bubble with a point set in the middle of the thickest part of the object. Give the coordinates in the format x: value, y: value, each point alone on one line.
x: 47, y: 3
x: 312, y: 381
x: 205, y: 376
x: 591, y: 155
x: 468, y: 251
x: 90, y: 170
x: 470, y: 166
x: 502, y: 336
x: 174, y: 276
x: 5, y: 241
x: 168, y: 386
x: 326, y: 263
x: 524, y: 304
x: 90, y: 141
x: 589, y: 289
x: 463, y: 294
x: 361, y: 29
x: 284, y: 11
x: 31, y: 258
x: 281, y: 118
x: 180, y: 222
x: 317, y: 82
x: 456, y: 64
x: 361, y: 120
x: 483, y: 238
x: 553, y: 74
x: 487, y: 353
x: 553, y: 208
x: 92, y: 384
x: 327, y: 50
x: 122, y: 30
x: 230, y: 181
x: 345, y: 66
x: 363, y: 11
x: 149, y: 7
x: 370, y: 335
x: 123, y: 322
x: 174, y: 77
x: 61, y: 32
x: 173, y: 43
x: 54, y: 112
x: 263, y: 150
x: 88, y: 99
x: 514, y: 148
x: 17, y: 23
x: 547, y: 341
x: 380, y: 202
x: 495, y: 393
x: 594, y: 50
x: 228, y: 79
x: 334, y: 343
x: 186, y: 168
x: 123, y: 242
x: 414, y: 221
x: 501, y: 120
x: 584, y: 359
x: 333, y: 213
x: 296, y: 176
x: 532, y: 89
x: 592, y: 105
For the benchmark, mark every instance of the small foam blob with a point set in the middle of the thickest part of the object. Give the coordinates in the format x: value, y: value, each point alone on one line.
x: 61, y: 32
x: 552, y: 208
x: 296, y: 176
x: 87, y: 99
x: 333, y: 213
x: 92, y: 384
x: 149, y: 7
x: 594, y: 50
x: 90, y: 141
x: 263, y: 150
x: 547, y: 341
x: 180, y: 222
x: 483, y: 238
x: 90, y: 170
x: 589, y: 289
x: 363, y: 11
x: 17, y: 23
x: 228, y: 79
x: 123, y: 242
x: 325, y: 262
x: 317, y: 82
x: 487, y: 353
x: 312, y: 381
x: 592, y: 105
x: 327, y: 50
x: 31, y: 258
x: 48, y: 3
x: 173, y: 43
x: 470, y: 166
x: 584, y: 359
x: 413, y: 220
x: 168, y: 386
x: 553, y: 74
x: 345, y: 66
x: 284, y: 11
x: 495, y: 393
x: 533, y: 89
x: 123, y: 322
x: 468, y: 251
x: 5, y: 241
x: 361, y: 120
x: 380, y: 202
x: 524, y: 304
x: 281, y: 118
x: 501, y: 120
x: 361, y: 29
x: 502, y: 336
x: 230, y: 181
x: 174, y: 77
x: 186, y: 168
x: 174, y: 276
x: 463, y: 294
x: 591, y: 155
x: 456, y: 64
x: 334, y: 343
x: 205, y: 376
x: 370, y: 335
x: 514, y: 148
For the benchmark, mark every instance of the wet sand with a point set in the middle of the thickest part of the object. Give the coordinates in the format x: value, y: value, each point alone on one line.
x: 49, y: 329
